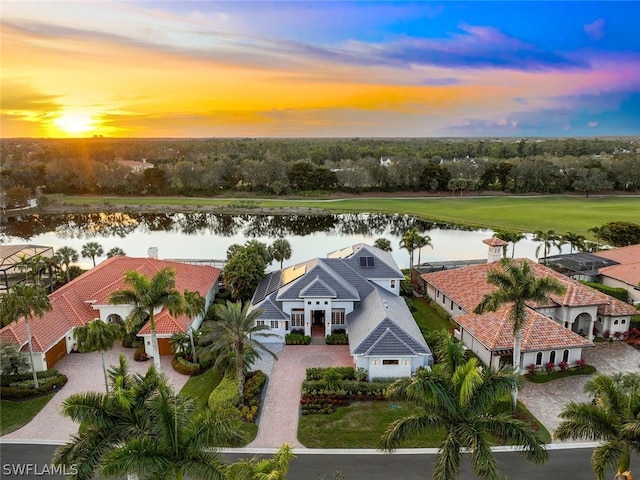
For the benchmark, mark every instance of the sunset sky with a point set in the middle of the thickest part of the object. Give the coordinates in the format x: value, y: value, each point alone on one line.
x: 319, y: 69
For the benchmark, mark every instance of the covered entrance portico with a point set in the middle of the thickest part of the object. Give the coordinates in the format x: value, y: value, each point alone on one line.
x: 583, y: 325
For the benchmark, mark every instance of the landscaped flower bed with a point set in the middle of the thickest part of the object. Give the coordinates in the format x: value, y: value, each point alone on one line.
x: 23, y: 386
x: 550, y: 372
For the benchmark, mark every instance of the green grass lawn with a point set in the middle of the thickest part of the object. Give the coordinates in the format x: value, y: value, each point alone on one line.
x: 428, y: 317
x: 16, y: 414
x: 561, y: 213
x: 200, y: 387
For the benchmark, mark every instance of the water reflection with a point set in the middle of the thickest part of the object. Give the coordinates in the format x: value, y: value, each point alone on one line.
x: 208, y: 235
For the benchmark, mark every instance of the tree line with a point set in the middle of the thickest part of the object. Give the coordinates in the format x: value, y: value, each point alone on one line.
x: 276, y: 167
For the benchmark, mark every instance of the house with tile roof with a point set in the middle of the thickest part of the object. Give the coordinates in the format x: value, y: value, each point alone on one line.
x: 356, y: 289
x: 87, y: 298
x: 625, y: 273
x: 554, y: 331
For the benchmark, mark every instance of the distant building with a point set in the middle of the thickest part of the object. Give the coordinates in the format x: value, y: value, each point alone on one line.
x: 135, y: 165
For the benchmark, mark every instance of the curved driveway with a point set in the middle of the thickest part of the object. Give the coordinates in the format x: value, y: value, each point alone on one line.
x: 279, y: 417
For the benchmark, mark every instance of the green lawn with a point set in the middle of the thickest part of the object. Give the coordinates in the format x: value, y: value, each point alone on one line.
x: 16, y: 414
x: 428, y: 317
x: 200, y: 387
x: 361, y: 425
x: 561, y: 213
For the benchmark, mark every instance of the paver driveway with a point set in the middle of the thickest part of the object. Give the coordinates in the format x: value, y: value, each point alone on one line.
x: 546, y: 400
x: 85, y: 374
x: 279, y: 418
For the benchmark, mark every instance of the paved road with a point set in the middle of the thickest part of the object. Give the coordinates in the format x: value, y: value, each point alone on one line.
x: 308, y: 465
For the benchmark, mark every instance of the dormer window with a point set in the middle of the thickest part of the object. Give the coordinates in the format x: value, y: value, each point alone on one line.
x: 367, y: 262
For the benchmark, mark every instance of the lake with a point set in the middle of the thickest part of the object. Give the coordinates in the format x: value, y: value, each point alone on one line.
x: 208, y: 235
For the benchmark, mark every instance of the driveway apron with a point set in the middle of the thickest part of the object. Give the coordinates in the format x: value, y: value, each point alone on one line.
x: 546, y: 400
x: 279, y: 417
x: 84, y: 371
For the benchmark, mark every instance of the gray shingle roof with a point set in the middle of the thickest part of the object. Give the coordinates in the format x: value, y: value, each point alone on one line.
x: 271, y: 311
x: 318, y: 288
x: 384, y: 267
x: 342, y: 289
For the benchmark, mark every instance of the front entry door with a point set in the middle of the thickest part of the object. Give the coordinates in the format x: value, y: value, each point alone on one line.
x: 318, y: 317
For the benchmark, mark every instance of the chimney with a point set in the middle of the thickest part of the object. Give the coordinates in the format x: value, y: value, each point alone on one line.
x: 152, y: 252
x: 496, y: 246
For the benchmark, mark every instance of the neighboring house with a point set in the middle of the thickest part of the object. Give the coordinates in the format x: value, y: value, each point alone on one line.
x: 87, y: 297
x: 554, y: 331
x: 354, y: 289
x: 135, y: 165
x: 626, y: 274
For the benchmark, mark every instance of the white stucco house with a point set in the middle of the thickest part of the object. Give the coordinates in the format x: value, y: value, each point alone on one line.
x: 87, y: 298
x: 356, y: 289
x: 555, y: 331
x: 626, y: 273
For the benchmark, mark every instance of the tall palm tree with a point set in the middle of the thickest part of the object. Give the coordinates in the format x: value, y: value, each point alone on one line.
x: 37, y: 263
x: 66, y: 256
x: 466, y: 404
x: 92, y: 250
x: 549, y: 239
x: 506, y: 236
x: 600, y: 233
x: 98, y: 335
x: 516, y: 285
x: 235, y: 332
x: 25, y: 301
x: 281, y: 250
x: 613, y: 418
x: 178, y: 441
x: 115, y: 251
x: 422, y: 241
x: 274, y: 468
x: 24, y: 265
x: 383, y: 244
x: 108, y: 419
x: 194, y: 305
x: 147, y: 295
x: 574, y: 240
x: 515, y: 238
x: 408, y: 242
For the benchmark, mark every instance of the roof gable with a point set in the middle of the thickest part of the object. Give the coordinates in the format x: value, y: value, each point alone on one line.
x: 318, y: 289
x: 389, y: 339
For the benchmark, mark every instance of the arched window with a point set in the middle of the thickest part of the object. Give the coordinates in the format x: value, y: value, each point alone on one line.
x: 623, y: 321
x: 615, y: 322
x: 539, y: 358
x: 115, y: 318
x: 565, y: 356
x: 552, y: 357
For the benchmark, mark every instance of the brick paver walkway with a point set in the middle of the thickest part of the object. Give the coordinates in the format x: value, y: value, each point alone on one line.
x: 279, y: 418
x: 546, y: 400
x: 85, y: 374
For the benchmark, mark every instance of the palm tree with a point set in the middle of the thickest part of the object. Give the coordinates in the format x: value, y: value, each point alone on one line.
x: 25, y: 301
x: 98, y: 335
x: 516, y: 285
x: 575, y: 240
x: 383, y: 244
x: 234, y: 333
x: 178, y: 441
x: 466, y: 404
x: 613, y: 418
x: 146, y: 296
x: 515, y: 238
x: 194, y: 305
x: 408, y: 242
x: 92, y: 250
x: 281, y: 250
x: 108, y: 419
x: 511, y: 236
x: 600, y: 233
x: 422, y: 241
x: 66, y: 256
x: 37, y: 263
x: 115, y: 251
x: 274, y: 468
x: 24, y: 265
x: 549, y: 239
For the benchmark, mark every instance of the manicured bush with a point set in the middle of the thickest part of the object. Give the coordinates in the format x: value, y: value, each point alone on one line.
x: 181, y: 365
x: 619, y: 293
x: 225, y: 395
x: 297, y: 331
x: 50, y: 385
x: 346, y: 373
x: 532, y: 369
x: 580, y: 363
x: 253, y: 386
x: 320, y: 397
x: 553, y: 375
x: 549, y: 367
x: 296, y: 339
x: 337, y: 339
x: 6, y: 380
x: 140, y: 355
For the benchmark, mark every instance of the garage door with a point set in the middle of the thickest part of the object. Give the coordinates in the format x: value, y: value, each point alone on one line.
x: 164, y: 346
x: 56, y: 352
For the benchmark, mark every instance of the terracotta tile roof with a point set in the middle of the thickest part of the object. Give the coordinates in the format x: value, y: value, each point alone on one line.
x: 493, y: 330
x: 495, y: 242
x: 467, y: 285
x: 616, y: 308
x: 72, y: 303
x: 628, y: 254
x: 628, y: 273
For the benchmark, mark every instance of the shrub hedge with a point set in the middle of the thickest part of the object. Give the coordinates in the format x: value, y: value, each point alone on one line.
x: 297, y: 339
x: 183, y: 366
x: 346, y: 373
x: 337, y: 339
x: 320, y: 397
x: 619, y: 293
x: 6, y: 380
x: 225, y: 395
x: 51, y: 384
